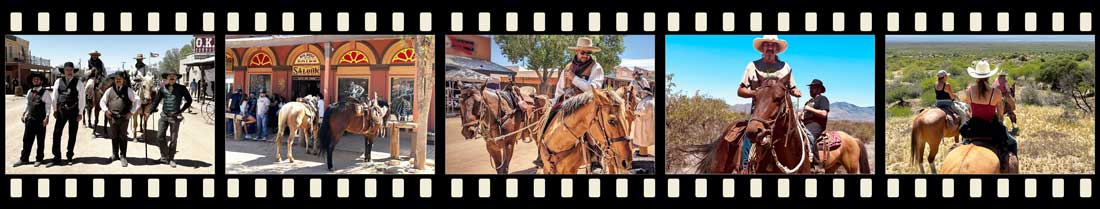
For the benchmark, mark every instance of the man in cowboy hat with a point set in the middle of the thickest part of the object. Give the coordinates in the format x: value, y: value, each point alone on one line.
x: 582, y: 73
x: 815, y: 116
x: 139, y: 66
x: 769, y: 46
x: 70, y: 100
x: 1001, y: 84
x: 175, y: 100
x: 95, y: 66
x: 35, y: 117
x: 120, y: 102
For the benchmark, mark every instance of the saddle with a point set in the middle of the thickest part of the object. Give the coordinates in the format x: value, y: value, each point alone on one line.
x: 990, y: 135
x: 830, y: 140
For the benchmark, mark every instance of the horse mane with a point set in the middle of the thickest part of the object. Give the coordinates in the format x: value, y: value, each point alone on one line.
x: 571, y: 105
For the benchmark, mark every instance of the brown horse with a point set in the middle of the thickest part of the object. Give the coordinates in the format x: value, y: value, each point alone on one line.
x: 295, y: 116
x: 773, y: 127
x: 145, y: 91
x: 586, y: 121
x: 1009, y: 106
x: 365, y: 117
x: 930, y: 126
x: 497, y: 117
x: 93, y: 90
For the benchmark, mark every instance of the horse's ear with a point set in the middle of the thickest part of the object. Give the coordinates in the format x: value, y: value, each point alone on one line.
x: 786, y: 79
x: 601, y: 96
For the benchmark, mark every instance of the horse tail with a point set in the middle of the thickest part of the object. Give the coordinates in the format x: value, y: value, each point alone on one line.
x: 707, y: 164
x: 325, y: 135
x: 864, y: 165
x: 914, y: 138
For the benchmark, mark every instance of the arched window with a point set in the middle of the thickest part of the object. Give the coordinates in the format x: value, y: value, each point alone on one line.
x: 353, y: 57
x: 406, y: 55
x: 260, y: 59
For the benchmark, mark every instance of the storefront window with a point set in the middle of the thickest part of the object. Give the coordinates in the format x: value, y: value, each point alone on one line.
x: 258, y: 82
x: 401, y: 98
x: 349, y: 87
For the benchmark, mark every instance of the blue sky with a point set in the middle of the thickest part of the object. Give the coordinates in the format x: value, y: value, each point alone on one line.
x: 989, y: 38
x: 639, y: 52
x: 115, y: 48
x: 713, y: 64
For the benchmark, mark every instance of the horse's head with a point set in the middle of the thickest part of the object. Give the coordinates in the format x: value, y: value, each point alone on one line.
x: 769, y: 103
x: 611, y: 119
x: 470, y: 107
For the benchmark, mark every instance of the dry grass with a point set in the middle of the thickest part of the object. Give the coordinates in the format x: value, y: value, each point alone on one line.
x: 1049, y: 143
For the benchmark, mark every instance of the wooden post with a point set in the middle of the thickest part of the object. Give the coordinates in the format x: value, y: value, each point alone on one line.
x: 237, y: 129
x: 395, y: 141
x: 422, y: 94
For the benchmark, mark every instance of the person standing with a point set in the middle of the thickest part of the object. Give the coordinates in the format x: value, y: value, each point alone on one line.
x: 262, y: 105
x: 70, y: 100
x: 35, y: 117
x: 119, y: 102
x: 175, y: 99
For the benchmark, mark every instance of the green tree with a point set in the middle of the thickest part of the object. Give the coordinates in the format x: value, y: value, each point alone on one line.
x: 547, y: 54
x: 170, y: 61
x: 186, y: 50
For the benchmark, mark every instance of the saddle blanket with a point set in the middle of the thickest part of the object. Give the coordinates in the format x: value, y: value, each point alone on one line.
x: 832, y: 140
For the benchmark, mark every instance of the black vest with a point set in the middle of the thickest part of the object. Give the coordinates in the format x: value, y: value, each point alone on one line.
x: 119, y: 103
x: 67, y: 95
x: 35, y: 106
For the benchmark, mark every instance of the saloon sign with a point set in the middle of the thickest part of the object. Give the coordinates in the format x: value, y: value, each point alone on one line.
x: 203, y: 45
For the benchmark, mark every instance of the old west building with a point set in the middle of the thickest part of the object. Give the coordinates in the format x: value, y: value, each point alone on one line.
x: 328, y: 65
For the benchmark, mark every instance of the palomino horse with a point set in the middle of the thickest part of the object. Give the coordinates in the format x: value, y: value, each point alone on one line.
x: 930, y: 126
x: 367, y: 118
x: 586, y: 121
x: 496, y: 116
x: 975, y: 159
x: 146, y: 88
x: 851, y: 154
x: 773, y: 127
x: 295, y: 116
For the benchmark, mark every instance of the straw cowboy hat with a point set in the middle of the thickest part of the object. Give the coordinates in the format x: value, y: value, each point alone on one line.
x: 140, y: 56
x: 94, y: 53
x: 585, y: 43
x: 758, y: 42
x: 981, y: 70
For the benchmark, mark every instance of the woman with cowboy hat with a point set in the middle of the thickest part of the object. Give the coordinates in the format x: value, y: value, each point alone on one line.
x: 120, y: 103
x: 769, y: 46
x: 176, y: 99
x: 985, y: 115
x: 35, y: 117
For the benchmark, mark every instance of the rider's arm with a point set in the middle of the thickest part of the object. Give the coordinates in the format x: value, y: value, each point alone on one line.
x: 744, y: 92
x: 947, y: 88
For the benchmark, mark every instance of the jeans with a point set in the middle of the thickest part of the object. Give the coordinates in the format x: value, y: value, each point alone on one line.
x: 262, y: 120
x: 168, y: 145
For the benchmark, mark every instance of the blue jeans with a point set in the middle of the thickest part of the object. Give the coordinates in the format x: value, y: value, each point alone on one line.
x: 262, y: 122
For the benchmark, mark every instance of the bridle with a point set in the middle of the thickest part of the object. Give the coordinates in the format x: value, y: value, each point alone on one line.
x: 792, y: 126
x: 605, y: 151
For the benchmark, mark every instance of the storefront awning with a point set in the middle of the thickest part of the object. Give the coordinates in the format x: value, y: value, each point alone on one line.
x: 204, y: 61
x: 481, y: 66
x: 467, y: 75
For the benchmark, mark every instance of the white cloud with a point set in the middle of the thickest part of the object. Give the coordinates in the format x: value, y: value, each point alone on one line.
x: 648, y: 63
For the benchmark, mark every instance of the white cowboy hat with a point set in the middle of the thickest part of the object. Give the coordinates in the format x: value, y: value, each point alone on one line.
x: 981, y: 70
x: 140, y: 56
x: 756, y: 43
x: 585, y: 43
x: 94, y: 53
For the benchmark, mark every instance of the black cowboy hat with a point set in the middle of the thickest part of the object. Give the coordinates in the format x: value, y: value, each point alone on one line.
x: 165, y: 75
x: 36, y: 75
x: 117, y: 74
x: 68, y: 65
x: 818, y: 83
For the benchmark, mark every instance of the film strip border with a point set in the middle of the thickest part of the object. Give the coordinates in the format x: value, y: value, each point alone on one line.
x: 553, y: 187
x: 547, y: 22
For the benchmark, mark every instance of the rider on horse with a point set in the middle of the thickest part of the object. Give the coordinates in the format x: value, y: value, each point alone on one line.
x: 769, y: 64
x: 816, y: 118
x: 582, y: 74
x: 985, y: 128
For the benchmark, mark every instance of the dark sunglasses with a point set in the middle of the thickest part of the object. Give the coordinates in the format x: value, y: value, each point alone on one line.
x: 585, y: 53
